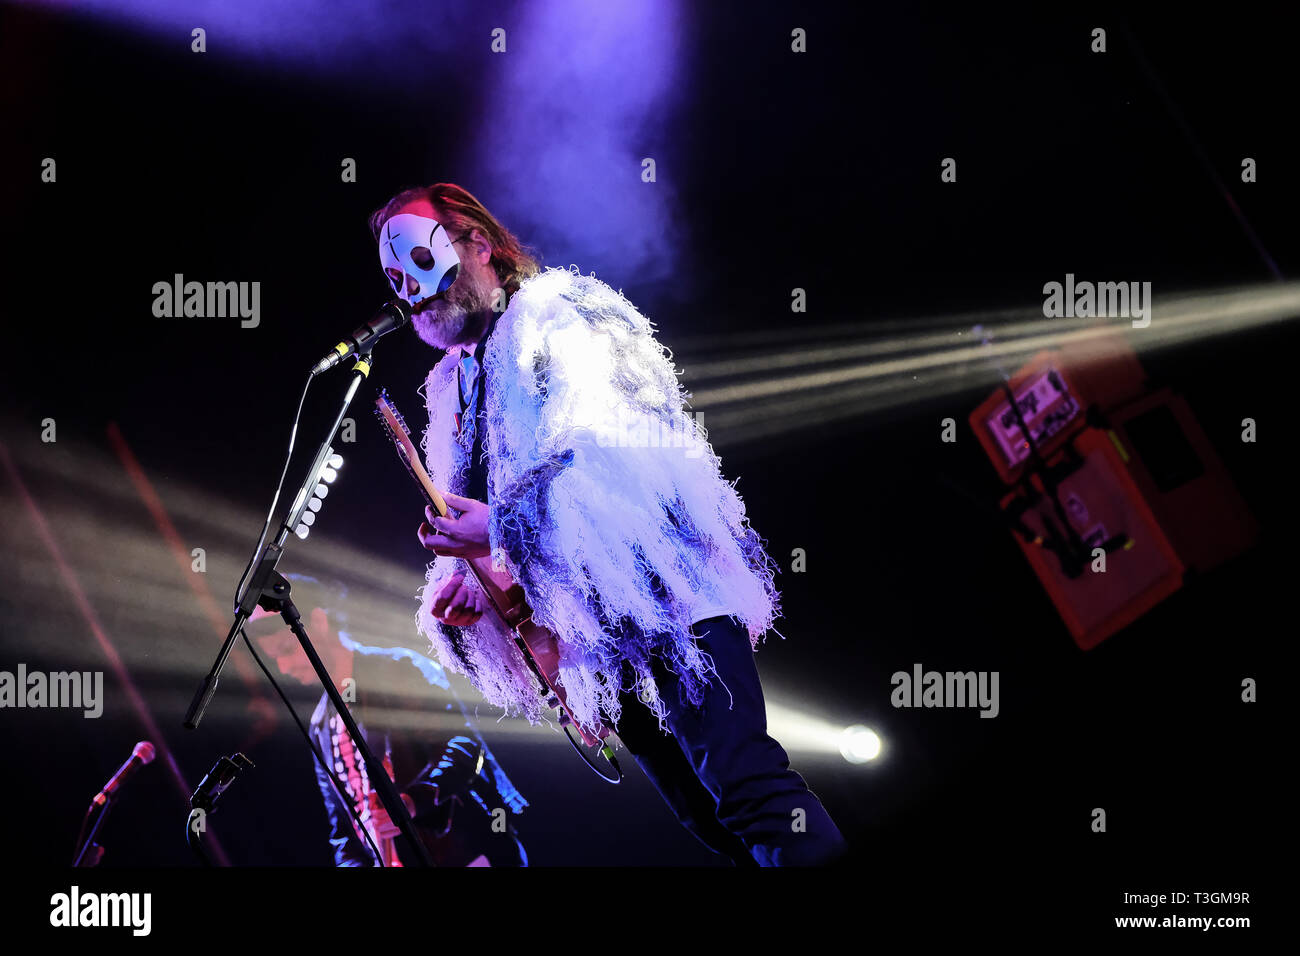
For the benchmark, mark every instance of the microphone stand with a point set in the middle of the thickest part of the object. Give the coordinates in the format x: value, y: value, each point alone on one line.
x: 204, y: 800
x: 88, y: 844
x: 267, y: 588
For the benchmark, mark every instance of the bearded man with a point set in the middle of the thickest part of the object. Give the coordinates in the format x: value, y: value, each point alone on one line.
x: 634, y: 552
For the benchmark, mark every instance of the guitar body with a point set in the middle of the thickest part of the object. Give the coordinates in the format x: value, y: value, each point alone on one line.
x: 538, y: 644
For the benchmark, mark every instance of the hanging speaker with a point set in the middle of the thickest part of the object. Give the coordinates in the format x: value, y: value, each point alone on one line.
x: 1099, y: 551
x: 1183, y: 480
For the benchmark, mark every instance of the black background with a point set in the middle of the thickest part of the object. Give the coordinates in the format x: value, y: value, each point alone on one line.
x: 1069, y: 162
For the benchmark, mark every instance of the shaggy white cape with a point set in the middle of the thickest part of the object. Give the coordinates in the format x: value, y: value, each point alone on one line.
x: 615, y: 534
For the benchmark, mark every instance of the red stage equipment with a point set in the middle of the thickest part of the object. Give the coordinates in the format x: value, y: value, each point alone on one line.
x: 1113, y: 465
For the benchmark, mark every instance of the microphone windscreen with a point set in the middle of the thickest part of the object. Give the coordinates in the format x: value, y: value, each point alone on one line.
x: 403, y: 309
x: 145, y: 751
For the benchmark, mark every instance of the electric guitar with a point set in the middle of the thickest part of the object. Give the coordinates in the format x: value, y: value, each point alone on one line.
x: 384, y: 838
x: 505, y: 597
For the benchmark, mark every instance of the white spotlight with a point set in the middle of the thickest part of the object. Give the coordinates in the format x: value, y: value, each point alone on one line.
x: 858, y: 744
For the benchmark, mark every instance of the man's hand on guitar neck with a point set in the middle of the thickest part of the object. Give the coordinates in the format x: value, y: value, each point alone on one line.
x: 463, y: 537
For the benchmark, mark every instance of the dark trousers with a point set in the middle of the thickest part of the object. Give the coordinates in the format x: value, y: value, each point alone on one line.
x: 727, y: 781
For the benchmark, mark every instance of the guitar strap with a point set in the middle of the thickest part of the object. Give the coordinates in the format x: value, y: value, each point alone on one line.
x: 471, y: 383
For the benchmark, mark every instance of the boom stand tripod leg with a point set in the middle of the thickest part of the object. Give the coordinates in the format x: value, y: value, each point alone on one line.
x: 277, y: 599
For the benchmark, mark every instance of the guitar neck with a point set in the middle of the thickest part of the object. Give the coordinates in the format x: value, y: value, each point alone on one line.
x: 501, y: 590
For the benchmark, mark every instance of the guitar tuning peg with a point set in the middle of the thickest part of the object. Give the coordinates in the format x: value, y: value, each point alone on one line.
x: 552, y: 701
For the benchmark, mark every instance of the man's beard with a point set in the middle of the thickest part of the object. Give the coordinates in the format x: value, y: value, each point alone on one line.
x: 461, y: 313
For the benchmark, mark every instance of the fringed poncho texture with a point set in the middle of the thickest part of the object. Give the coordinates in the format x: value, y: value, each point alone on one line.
x: 606, y: 504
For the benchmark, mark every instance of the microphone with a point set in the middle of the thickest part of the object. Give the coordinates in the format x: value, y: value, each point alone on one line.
x: 141, y: 755
x: 391, y: 315
x: 221, y: 776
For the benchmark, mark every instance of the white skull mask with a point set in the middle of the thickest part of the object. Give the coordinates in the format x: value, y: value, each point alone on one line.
x: 419, y: 248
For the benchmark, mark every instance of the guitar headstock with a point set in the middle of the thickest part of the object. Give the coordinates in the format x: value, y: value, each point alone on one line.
x: 395, y: 429
x: 388, y: 413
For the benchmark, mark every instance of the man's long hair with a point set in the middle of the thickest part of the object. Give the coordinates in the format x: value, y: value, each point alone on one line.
x: 459, y: 211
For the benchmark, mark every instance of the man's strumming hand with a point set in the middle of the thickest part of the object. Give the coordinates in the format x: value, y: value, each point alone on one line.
x: 457, y: 604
